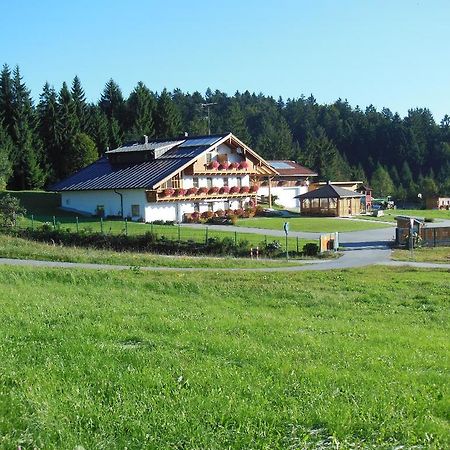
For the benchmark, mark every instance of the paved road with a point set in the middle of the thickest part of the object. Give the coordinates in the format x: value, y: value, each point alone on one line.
x: 366, y: 238
x: 349, y: 259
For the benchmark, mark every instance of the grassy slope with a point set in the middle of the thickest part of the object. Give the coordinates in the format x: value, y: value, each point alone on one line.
x: 313, y: 224
x: 11, y: 247
x: 390, y: 214
x: 154, y: 360
x: 436, y: 254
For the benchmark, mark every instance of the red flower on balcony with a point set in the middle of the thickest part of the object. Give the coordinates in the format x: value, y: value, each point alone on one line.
x: 180, y: 192
x: 254, y: 189
x: 234, y: 165
x: 202, y: 190
x: 245, y: 189
x: 225, y: 165
x: 234, y: 190
x: 192, y: 191
x: 213, y: 190
x: 214, y: 165
x: 168, y: 192
x: 224, y: 190
x: 239, y: 212
x: 243, y: 165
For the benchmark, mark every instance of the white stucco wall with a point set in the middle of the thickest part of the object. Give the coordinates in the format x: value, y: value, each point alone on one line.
x: 285, y: 194
x: 216, y: 180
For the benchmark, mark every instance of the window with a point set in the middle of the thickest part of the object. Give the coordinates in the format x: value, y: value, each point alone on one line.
x: 195, y: 182
x: 100, y: 210
x: 210, y: 206
x: 67, y: 201
x: 209, y: 182
x: 225, y: 181
x: 239, y: 182
x: 196, y: 207
x: 135, y: 211
x: 226, y: 204
x: 208, y: 158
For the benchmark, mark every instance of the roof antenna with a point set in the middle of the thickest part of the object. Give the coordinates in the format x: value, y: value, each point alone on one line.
x: 208, y: 105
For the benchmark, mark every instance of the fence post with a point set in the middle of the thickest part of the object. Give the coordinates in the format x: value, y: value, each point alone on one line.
x: 265, y: 239
x: 101, y: 225
x: 77, y: 224
x: 179, y: 232
x: 235, y: 238
x: 206, y: 235
x: 297, y: 244
x: 151, y: 227
x: 126, y: 226
x: 434, y: 237
x: 32, y: 222
x: 54, y: 222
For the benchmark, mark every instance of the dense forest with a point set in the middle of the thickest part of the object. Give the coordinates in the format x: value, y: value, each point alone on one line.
x: 44, y: 142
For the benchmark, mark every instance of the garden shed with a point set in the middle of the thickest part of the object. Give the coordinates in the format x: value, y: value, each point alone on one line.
x: 330, y: 200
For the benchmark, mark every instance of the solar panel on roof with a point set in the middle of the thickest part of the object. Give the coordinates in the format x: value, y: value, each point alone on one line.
x: 281, y: 165
x: 209, y: 140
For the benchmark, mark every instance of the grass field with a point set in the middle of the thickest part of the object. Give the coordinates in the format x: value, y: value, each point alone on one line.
x: 344, y: 359
x: 390, y: 214
x: 17, y: 248
x: 436, y: 254
x: 310, y: 224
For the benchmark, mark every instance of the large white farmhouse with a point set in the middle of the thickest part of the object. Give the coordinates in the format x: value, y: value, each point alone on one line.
x: 166, y: 179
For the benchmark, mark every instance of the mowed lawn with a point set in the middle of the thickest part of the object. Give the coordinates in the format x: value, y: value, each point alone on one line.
x: 434, y: 254
x: 310, y: 224
x: 343, y: 359
x: 390, y: 214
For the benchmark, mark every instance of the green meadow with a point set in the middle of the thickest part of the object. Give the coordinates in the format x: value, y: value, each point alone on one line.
x: 343, y: 359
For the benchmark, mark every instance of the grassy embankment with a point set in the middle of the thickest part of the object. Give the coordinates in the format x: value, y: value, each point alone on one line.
x: 390, y: 214
x: 344, y: 359
x: 433, y: 255
x: 44, y: 205
x: 310, y: 224
x: 17, y: 248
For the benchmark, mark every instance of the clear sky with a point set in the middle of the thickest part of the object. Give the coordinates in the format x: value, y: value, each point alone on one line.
x: 393, y: 53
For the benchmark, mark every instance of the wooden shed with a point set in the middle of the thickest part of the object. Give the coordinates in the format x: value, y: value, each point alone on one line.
x: 330, y: 200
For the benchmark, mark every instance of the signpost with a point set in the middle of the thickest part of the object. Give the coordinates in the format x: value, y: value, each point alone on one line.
x: 411, y: 237
x: 286, y: 232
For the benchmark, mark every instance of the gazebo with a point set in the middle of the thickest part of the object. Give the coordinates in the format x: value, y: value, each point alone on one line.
x: 330, y: 200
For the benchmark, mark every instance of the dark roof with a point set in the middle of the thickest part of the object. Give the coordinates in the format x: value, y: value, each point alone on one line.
x: 291, y: 168
x: 329, y: 191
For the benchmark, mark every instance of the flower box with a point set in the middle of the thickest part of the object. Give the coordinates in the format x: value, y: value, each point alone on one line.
x: 224, y: 166
x: 245, y: 190
x: 180, y: 192
x: 213, y: 190
x: 254, y: 188
x: 234, y: 165
x: 202, y: 190
x: 239, y: 212
x: 243, y: 165
x: 168, y: 192
x: 214, y: 165
x: 234, y: 190
x: 224, y: 190
x: 192, y: 191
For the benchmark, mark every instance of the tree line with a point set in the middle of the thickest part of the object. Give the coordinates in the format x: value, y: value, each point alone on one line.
x: 45, y: 142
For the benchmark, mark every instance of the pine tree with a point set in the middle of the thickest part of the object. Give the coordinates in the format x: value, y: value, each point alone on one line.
x: 235, y: 122
x: 167, y: 117
x: 115, y: 138
x: 49, y: 128
x: 141, y: 107
x: 6, y: 148
x: 83, y: 152
x: 100, y: 129
x: 81, y: 110
x: 6, y: 100
x: 112, y: 102
x: 27, y: 155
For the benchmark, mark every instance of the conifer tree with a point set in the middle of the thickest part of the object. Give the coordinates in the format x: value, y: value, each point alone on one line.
x: 115, y: 138
x: 100, y: 129
x: 167, y: 117
x: 6, y: 99
x: 235, y: 122
x: 83, y: 152
x: 80, y: 106
x: 6, y: 148
x: 112, y: 102
x: 141, y: 107
x: 381, y: 182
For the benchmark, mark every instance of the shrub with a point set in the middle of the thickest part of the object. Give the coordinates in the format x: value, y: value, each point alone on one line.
x: 229, y: 212
x: 220, y: 213
x: 243, y: 165
x: 234, y: 190
x: 244, y: 190
x: 239, y: 212
x: 180, y: 192
x: 224, y: 190
x: 271, y: 248
x: 249, y: 212
x: 233, y: 219
x: 259, y: 210
x: 202, y: 190
x: 10, y: 210
x: 207, y: 215
x: 429, y: 219
x: 192, y: 191
x: 310, y: 249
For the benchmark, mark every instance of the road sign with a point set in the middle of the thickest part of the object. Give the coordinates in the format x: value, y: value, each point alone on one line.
x: 286, y: 228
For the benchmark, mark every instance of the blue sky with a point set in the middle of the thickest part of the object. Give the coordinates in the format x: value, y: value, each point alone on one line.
x: 387, y: 53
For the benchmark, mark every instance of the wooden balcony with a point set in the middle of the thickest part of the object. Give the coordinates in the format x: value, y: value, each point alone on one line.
x: 159, y: 196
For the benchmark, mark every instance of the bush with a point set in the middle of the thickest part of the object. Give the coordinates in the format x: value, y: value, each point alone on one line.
x: 429, y: 219
x: 10, y: 210
x: 310, y: 249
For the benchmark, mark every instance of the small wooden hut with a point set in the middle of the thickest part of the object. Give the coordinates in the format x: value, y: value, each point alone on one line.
x: 330, y: 200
